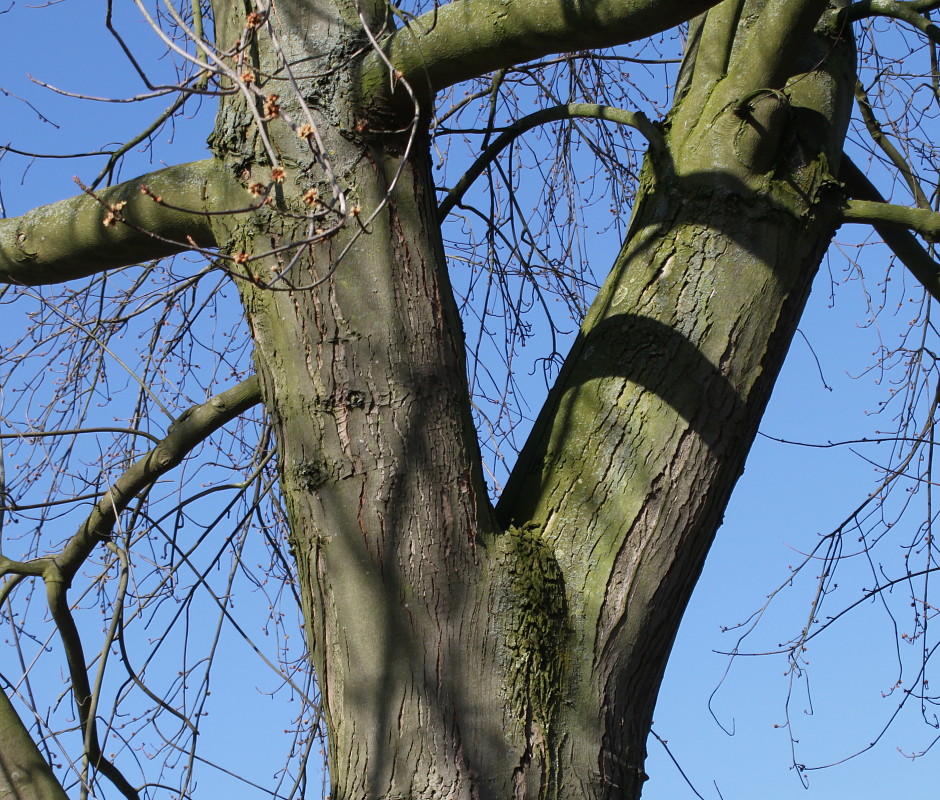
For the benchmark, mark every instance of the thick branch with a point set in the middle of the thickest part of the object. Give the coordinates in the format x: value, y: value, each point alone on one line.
x: 468, y: 38
x: 764, y: 53
x: 116, y: 227
x: 24, y: 773
x: 554, y: 114
x: 893, y: 231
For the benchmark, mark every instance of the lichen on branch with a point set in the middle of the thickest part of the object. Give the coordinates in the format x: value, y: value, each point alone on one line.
x: 149, y: 217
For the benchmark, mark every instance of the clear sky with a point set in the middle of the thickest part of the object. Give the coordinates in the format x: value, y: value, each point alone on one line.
x: 788, y: 497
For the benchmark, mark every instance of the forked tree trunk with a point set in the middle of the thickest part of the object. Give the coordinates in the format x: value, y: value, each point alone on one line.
x: 462, y: 653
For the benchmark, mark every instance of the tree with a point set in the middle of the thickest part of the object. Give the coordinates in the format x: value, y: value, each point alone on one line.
x: 463, y: 648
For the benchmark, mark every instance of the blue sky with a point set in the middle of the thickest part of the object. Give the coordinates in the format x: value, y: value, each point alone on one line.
x: 788, y: 497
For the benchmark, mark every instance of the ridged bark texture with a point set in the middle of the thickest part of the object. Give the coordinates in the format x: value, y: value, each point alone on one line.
x: 365, y: 381
x: 463, y: 653
x: 457, y: 658
x: 633, y: 459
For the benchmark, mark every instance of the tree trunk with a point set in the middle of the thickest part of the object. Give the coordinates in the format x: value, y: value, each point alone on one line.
x: 633, y: 458
x: 463, y: 651
x: 458, y: 655
x: 364, y: 378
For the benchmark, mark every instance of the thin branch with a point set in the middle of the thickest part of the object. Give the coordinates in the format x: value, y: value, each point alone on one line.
x: 887, y: 146
x: 33, y: 434
x: 190, y: 429
x: 152, y: 128
x: 57, y: 595
x: 637, y: 120
x: 901, y: 241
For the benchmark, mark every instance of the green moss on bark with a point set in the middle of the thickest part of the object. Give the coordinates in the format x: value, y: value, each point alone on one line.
x: 534, y: 613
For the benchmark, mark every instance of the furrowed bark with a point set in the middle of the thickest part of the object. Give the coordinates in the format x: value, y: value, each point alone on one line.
x: 462, y: 653
x: 117, y: 227
x: 631, y: 463
x: 403, y: 571
x: 455, y: 658
x: 364, y: 379
x: 24, y: 773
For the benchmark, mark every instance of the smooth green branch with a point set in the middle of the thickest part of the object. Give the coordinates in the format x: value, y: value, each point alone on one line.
x: 467, y: 38
x: 116, y: 227
x: 910, y: 12
x: 637, y: 120
x: 891, y: 227
x: 920, y: 220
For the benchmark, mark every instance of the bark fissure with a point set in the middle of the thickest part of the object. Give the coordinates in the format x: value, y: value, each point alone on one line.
x: 463, y: 651
x: 668, y: 380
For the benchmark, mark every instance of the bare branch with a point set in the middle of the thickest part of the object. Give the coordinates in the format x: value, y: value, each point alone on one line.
x: 879, y: 137
x: 57, y: 594
x: 117, y: 227
x: 901, y: 241
x: 920, y: 220
x: 467, y: 38
x: 910, y: 12
x: 191, y: 428
x: 589, y: 110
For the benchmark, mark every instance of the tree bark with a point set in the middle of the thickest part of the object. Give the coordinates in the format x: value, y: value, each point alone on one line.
x: 24, y: 772
x: 627, y: 473
x: 364, y: 378
x: 114, y: 227
x: 463, y: 651
x: 464, y: 657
